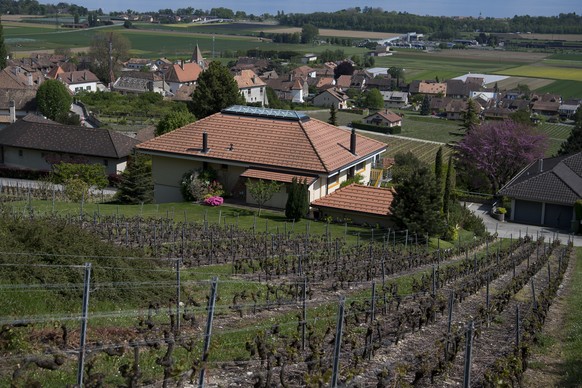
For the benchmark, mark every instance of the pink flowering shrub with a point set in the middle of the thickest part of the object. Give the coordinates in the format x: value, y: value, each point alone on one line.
x: 214, y: 201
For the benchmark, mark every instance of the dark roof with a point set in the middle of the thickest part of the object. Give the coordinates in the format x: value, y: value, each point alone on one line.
x: 41, y: 134
x: 554, y: 180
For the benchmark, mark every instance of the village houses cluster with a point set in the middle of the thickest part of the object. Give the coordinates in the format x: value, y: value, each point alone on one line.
x: 249, y: 142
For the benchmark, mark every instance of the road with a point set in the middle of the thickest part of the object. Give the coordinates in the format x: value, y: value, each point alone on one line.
x: 510, y: 229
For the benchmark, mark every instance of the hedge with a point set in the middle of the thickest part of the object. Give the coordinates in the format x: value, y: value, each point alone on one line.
x: 377, y: 128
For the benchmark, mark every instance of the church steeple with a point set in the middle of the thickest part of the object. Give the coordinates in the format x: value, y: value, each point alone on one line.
x: 198, y: 58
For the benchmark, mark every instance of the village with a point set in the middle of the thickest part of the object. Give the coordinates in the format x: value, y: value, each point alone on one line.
x: 334, y: 215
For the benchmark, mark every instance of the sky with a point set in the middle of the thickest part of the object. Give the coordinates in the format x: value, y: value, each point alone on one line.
x: 488, y: 8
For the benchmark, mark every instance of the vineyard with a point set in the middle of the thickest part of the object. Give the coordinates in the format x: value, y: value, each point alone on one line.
x: 160, y: 302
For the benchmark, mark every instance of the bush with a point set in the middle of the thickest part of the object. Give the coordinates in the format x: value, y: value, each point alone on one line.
x: 214, y: 201
x: 199, y: 184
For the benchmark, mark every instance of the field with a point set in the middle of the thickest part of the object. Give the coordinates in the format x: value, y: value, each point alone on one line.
x: 279, y: 298
x: 542, y: 71
x: 565, y: 88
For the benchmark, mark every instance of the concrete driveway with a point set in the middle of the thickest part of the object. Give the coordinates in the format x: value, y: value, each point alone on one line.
x: 509, y: 229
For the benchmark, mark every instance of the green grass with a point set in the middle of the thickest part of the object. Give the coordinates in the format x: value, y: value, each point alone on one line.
x: 566, y: 57
x: 572, y: 372
x: 565, y: 88
x: 270, y: 221
x: 550, y: 72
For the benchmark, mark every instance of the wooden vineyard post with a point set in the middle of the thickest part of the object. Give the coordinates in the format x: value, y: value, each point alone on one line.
x: 178, y: 261
x: 468, y: 355
x: 81, y: 367
x: 517, y: 334
x: 338, y: 342
x: 451, y: 301
x: 208, y: 332
x: 304, y: 314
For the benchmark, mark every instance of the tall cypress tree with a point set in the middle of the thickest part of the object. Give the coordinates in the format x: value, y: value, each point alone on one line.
x: 3, y: 51
x: 438, y: 168
x: 332, y: 115
x: 449, y: 187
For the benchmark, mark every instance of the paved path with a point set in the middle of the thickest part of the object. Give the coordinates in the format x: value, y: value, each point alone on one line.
x: 509, y: 229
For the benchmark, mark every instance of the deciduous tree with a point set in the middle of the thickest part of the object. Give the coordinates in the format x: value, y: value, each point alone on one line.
x: 53, y: 99
x: 107, y: 50
x: 262, y: 191
x: 215, y: 91
x: 374, y: 99
x: 173, y: 120
x: 500, y: 149
x: 309, y: 33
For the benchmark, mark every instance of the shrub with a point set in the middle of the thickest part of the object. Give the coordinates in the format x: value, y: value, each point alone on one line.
x: 199, y: 184
x: 501, y: 210
x: 214, y: 201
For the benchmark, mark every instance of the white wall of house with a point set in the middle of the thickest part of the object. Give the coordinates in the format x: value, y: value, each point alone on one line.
x: 36, y: 160
x: 83, y: 86
x: 297, y: 95
x: 326, y: 99
x: 255, y: 94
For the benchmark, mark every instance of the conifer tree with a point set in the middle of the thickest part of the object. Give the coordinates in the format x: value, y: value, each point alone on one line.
x: 3, y: 51
x: 332, y: 115
x: 449, y: 187
x: 425, y: 107
x: 136, y: 181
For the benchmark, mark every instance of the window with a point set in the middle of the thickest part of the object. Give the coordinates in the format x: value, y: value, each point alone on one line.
x: 88, y: 87
x: 332, y: 180
x: 20, y: 153
x: 105, y: 162
x: 360, y: 166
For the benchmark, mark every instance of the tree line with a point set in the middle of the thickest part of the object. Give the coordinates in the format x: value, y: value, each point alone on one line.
x: 375, y: 19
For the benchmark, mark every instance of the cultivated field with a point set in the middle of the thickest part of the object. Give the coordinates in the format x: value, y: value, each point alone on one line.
x: 404, y: 307
x: 543, y: 71
x: 340, y: 33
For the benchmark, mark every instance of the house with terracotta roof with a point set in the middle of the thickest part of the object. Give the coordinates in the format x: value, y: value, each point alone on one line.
x: 243, y: 142
x: 77, y: 81
x: 252, y: 88
x: 289, y: 88
x: 544, y: 193
x: 343, y: 82
x: 182, y: 74
x: 385, y: 118
x: 36, y: 143
x: 330, y: 97
x: 429, y: 88
x: 356, y: 204
x: 18, y: 88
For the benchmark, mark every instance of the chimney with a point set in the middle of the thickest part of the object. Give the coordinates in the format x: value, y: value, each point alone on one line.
x: 353, y: 141
x: 541, y: 165
x: 29, y: 78
x: 205, y: 142
x: 12, y: 111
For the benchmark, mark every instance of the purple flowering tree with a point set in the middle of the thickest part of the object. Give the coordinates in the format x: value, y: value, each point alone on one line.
x: 500, y: 149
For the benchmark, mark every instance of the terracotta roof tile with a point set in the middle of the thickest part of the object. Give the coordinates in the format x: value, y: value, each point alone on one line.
x: 187, y: 72
x: 305, y: 145
x: 358, y: 198
x: 248, y: 79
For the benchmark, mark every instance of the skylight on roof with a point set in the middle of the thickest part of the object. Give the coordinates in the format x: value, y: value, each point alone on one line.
x: 266, y: 112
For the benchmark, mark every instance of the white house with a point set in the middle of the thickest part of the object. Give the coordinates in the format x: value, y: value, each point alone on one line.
x: 252, y: 88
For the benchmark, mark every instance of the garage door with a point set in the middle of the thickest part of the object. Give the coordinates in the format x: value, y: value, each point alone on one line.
x: 528, y: 212
x: 558, y: 216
